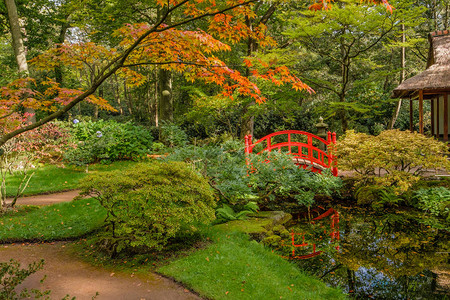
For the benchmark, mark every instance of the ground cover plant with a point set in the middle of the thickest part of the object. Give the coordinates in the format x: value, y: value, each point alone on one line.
x: 435, y: 201
x: 68, y: 220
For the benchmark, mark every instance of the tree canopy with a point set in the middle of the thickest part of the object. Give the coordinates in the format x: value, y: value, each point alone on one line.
x: 296, y: 59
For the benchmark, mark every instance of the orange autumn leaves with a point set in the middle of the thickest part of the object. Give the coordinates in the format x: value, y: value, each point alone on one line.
x: 193, y: 52
x: 327, y: 4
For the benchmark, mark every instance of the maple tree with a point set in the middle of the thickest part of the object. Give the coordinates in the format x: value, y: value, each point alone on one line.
x: 171, y: 47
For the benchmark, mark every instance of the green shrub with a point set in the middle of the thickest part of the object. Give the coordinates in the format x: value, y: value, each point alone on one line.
x: 172, y: 135
x: 436, y: 201
x: 377, y: 196
x: 393, y: 159
x: 366, y: 195
x: 108, y: 141
x: 11, y: 276
x: 282, y: 185
x: 158, y: 147
x: 271, y: 179
x: 223, y: 165
x: 149, y: 203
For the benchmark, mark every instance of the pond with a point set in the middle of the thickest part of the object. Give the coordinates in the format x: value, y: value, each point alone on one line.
x: 381, y: 256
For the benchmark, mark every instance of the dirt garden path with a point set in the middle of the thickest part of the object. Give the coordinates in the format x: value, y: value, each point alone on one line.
x: 67, y: 274
x: 47, y: 199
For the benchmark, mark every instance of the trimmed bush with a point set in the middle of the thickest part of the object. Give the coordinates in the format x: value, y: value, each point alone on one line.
x: 148, y: 204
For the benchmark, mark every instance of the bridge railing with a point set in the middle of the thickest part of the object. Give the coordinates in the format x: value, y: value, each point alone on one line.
x: 307, y: 149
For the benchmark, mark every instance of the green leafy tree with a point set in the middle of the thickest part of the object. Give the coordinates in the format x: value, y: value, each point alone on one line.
x: 191, y: 53
x: 344, y: 50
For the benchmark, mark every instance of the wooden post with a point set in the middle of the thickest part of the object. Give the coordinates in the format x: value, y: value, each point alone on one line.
x: 446, y: 117
x: 432, y: 116
x: 247, y: 148
x: 421, y: 111
x: 334, y: 170
x: 411, y: 125
x: 438, y: 117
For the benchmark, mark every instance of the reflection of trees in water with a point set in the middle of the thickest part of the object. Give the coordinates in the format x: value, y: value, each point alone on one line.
x: 387, y: 256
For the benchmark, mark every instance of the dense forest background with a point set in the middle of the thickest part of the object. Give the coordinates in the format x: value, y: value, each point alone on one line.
x: 352, y: 56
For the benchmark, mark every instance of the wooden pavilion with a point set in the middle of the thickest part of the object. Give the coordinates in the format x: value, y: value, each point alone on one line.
x: 433, y: 84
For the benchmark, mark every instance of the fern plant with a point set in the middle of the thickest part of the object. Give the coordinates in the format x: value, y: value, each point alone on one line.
x: 227, y: 213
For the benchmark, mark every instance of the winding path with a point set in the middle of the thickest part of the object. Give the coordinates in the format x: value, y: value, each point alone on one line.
x: 46, y: 199
x: 67, y: 274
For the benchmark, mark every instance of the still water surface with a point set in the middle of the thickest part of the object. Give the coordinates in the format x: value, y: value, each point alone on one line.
x: 373, y: 256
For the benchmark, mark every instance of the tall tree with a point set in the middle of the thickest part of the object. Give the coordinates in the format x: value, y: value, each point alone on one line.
x: 341, y: 44
x: 402, y: 76
x: 19, y: 48
x: 259, y: 23
x: 174, y: 47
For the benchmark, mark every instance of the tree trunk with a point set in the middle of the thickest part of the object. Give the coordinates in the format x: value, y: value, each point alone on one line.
x: 128, y: 98
x: 435, y: 15
x: 116, y: 92
x: 446, y: 19
x: 402, y: 78
x: 345, y: 68
x: 342, y: 114
x: 60, y: 40
x: 155, y: 99
x: 100, y: 94
x: 247, y: 121
x: 165, y: 96
x: 19, y: 48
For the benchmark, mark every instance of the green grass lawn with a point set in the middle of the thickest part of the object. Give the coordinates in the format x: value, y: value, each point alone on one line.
x: 230, y: 267
x: 233, y: 267
x: 50, y: 179
x: 54, y: 222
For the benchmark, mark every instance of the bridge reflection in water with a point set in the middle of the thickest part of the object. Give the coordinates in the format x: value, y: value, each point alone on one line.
x: 333, y: 232
x: 386, y: 255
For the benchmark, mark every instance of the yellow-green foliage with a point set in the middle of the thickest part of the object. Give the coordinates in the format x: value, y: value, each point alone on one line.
x: 150, y: 203
x: 392, y: 159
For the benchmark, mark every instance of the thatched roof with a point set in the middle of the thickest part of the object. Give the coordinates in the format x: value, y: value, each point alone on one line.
x: 436, y: 78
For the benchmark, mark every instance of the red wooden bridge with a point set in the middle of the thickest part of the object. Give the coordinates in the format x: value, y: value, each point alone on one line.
x: 308, y: 150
